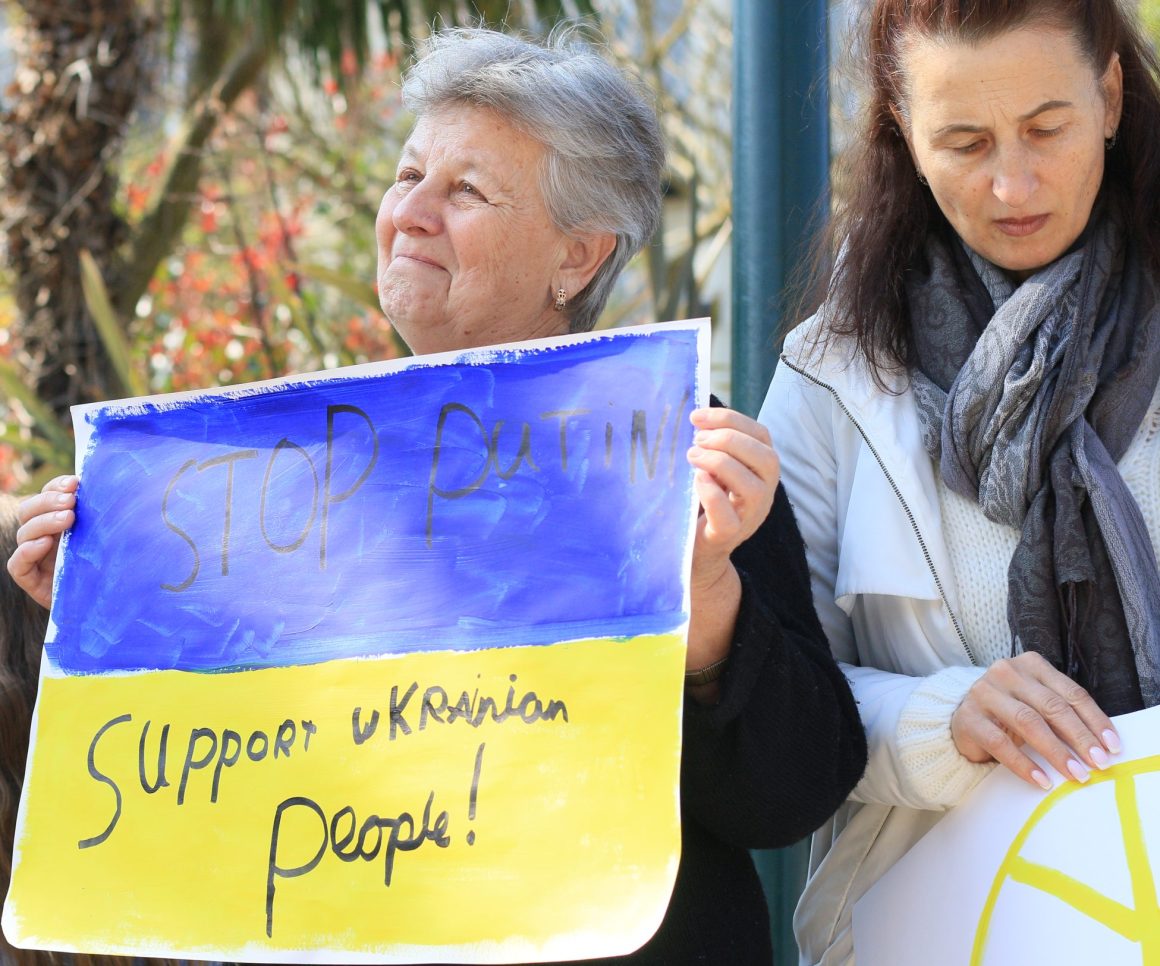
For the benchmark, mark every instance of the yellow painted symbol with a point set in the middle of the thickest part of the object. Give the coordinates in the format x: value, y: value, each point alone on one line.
x: 1139, y: 923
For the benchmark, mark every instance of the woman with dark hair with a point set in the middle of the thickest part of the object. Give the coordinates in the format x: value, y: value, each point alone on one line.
x: 970, y: 424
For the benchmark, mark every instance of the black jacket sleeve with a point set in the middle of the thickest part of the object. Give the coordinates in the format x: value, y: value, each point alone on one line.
x: 784, y: 745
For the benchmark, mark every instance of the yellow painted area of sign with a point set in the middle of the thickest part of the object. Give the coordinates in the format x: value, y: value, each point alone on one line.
x: 1139, y: 923
x: 520, y: 802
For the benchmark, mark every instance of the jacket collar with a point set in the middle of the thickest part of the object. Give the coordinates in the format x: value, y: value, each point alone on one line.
x: 889, y: 432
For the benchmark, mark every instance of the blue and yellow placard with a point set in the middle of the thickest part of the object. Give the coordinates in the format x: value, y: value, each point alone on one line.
x: 377, y: 665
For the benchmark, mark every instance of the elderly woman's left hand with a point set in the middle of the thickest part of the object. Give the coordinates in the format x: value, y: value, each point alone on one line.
x: 735, y: 478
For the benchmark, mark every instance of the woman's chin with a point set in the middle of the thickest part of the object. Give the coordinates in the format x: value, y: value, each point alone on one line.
x: 426, y: 336
x: 425, y: 331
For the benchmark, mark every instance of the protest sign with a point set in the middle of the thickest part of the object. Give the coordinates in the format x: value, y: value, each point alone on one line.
x: 1017, y: 875
x: 382, y: 664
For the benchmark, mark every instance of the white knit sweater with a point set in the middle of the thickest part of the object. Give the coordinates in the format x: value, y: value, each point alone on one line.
x: 980, y: 552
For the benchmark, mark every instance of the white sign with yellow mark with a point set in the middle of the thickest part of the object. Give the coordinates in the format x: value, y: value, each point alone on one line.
x: 1015, y: 875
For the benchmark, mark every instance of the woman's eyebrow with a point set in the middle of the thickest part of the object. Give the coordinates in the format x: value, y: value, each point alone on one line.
x: 1023, y: 118
x: 1044, y: 107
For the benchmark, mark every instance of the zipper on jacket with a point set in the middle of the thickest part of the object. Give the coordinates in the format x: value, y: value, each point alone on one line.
x: 898, y: 493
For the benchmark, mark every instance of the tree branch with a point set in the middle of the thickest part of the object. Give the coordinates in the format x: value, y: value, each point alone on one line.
x: 158, y: 231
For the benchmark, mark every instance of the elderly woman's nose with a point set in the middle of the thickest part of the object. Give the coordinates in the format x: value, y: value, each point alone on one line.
x: 416, y: 210
x: 1013, y: 179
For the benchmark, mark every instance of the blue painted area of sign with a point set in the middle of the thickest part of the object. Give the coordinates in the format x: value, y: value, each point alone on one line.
x: 515, y: 496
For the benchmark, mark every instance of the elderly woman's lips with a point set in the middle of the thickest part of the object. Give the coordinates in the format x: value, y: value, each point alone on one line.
x: 422, y: 260
x: 1017, y: 227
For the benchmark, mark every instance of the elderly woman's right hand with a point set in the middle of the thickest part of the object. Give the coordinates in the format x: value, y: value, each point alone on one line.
x: 43, y: 518
x: 1022, y: 701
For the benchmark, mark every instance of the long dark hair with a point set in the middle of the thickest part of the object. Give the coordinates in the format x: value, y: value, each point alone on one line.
x: 885, y: 213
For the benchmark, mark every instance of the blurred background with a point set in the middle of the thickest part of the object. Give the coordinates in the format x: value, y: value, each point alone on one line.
x: 188, y: 188
x: 188, y: 191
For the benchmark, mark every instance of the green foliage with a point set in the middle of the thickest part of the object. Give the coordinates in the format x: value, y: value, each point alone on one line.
x: 273, y: 270
x: 337, y: 36
x: 100, y: 306
x: 51, y: 445
x: 1150, y: 15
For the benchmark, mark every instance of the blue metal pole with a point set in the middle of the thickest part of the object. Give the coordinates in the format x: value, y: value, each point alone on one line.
x: 781, y: 154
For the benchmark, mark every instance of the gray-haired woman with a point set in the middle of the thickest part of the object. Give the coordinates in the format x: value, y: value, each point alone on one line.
x: 530, y: 179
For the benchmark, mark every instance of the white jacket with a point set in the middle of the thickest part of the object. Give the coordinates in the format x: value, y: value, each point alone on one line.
x: 863, y: 488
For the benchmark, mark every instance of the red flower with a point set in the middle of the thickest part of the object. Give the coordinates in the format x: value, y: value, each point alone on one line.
x: 138, y: 198
x: 209, y: 222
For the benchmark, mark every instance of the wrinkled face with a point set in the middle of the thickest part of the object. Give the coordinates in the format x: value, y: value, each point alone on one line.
x: 467, y: 255
x: 1010, y: 134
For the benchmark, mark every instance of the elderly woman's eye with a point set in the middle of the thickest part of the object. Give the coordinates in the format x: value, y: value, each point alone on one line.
x: 407, y: 176
x: 469, y: 189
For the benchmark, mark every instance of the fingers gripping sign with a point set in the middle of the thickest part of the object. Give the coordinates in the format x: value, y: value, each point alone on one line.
x: 44, y: 516
x: 735, y: 478
x: 737, y: 472
x: 1023, y: 702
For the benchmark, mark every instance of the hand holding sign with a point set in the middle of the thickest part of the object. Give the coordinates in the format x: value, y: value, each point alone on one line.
x: 735, y: 478
x: 43, y: 518
x: 348, y: 639
x: 1024, y: 703
x: 1067, y: 875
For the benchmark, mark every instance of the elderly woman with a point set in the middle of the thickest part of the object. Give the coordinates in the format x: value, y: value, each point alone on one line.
x: 530, y: 179
x: 969, y: 426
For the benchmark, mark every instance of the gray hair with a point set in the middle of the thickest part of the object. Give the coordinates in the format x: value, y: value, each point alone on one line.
x: 604, y: 150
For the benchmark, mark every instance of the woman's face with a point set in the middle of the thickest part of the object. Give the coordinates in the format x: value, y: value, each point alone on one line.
x: 467, y: 255
x: 1010, y: 133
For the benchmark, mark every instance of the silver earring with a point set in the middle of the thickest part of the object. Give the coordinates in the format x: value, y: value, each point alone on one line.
x: 922, y: 178
x: 1110, y: 143
x: 561, y: 299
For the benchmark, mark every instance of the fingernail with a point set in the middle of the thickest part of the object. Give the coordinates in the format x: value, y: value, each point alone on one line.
x: 63, y: 499
x: 1078, y: 772
x: 694, y: 452
x: 1041, y: 780
x: 1099, y: 757
x: 61, y: 515
x: 1112, y: 741
x: 700, y: 436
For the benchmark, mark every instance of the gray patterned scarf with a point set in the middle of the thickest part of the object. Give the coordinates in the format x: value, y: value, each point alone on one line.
x: 1028, y: 397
